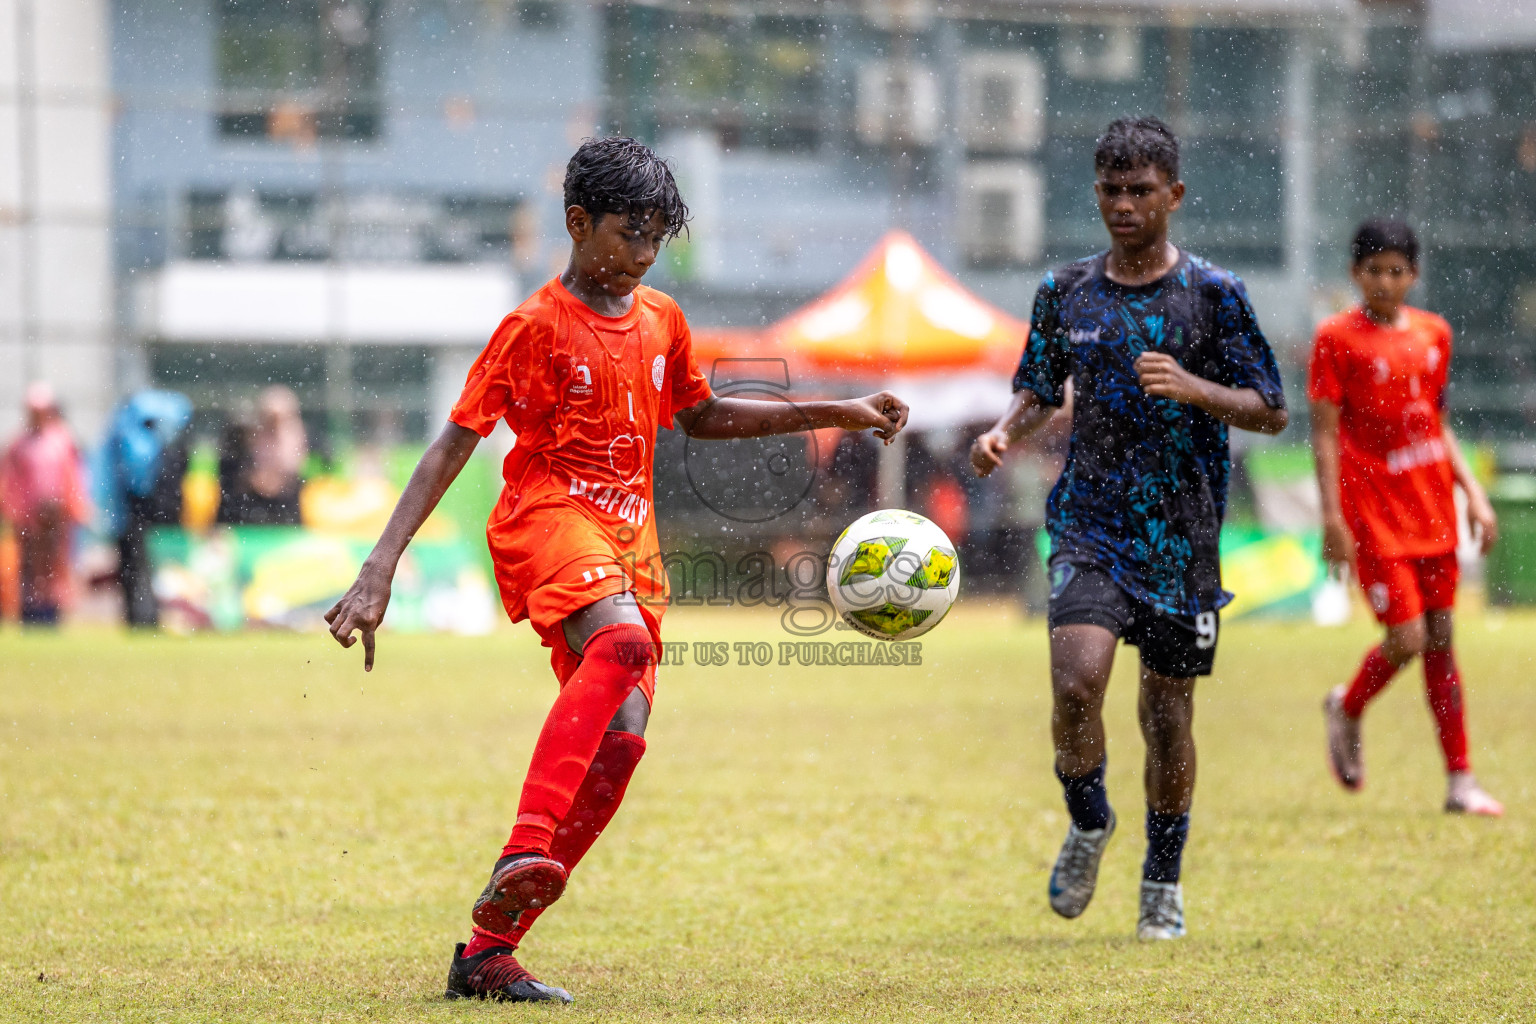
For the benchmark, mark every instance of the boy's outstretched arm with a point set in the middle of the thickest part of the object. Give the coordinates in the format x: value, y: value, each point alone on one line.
x: 1244, y: 408
x: 718, y: 419
x: 1026, y: 414
x: 362, y: 606
x: 1480, y: 518
x: 1338, y: 545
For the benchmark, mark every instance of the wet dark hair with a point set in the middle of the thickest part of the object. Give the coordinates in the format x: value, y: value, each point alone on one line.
x: 1130, y: 143
x: 1381, y: 235
x: 622, y: 176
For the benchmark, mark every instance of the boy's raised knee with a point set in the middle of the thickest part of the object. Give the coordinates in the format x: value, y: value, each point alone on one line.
x: 1076, y: 693
x: 1406, y: 641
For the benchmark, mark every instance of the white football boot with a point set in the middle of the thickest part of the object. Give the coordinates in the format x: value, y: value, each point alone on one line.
x: 1464, y: 796
x: 1162, y: 911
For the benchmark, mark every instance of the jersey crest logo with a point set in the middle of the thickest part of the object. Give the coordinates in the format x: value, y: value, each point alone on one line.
x: 626, y: 456
x: 1061, y: 575
x: 658, y: 370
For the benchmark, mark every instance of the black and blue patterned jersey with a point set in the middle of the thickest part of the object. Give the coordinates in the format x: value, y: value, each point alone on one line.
x: 1144, y: 487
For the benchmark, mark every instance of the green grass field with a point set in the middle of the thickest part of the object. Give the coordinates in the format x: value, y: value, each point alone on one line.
x: 248, y: 828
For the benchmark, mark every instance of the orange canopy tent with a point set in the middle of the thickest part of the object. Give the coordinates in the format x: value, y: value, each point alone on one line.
x: 899, y: 313
x: 899, y: 321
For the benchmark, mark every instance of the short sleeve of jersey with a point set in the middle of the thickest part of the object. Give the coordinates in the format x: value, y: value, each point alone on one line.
x: 1443, y: 365
x: 684, y: 385
x: 498, y: 384
x: 1324, y: 381
x: 1047, y: 359
x: 1249, y: 363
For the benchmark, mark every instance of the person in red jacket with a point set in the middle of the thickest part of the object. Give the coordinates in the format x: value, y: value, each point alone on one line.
x: 42, y: 496
x: 1387, y: 466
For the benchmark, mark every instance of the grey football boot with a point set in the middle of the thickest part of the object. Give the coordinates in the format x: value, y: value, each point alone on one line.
x: 1077, y: 868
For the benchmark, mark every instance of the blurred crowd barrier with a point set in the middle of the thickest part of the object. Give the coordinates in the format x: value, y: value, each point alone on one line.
x: 213, y: 575
x: 164, y: 545
x: 161, y: 528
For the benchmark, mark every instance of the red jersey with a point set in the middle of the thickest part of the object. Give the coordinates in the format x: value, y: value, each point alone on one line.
x: 1396, y: 483
x: 585, y: 395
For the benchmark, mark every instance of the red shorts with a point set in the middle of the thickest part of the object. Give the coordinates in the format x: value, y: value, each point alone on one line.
x: 577, y: 584
x: 1401, y: 589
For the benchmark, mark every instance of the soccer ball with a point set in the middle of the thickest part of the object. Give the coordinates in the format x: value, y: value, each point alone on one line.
x: 893, y: 574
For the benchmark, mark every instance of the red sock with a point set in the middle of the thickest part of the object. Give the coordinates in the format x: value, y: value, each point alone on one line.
x: 596, y: 802
x: 1374, y: 675
x: 612, y: 665
x: 1442, y: 683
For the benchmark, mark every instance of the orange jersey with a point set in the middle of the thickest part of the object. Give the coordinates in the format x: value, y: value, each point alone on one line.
x: 585, y: 395
x: 1395, y: 471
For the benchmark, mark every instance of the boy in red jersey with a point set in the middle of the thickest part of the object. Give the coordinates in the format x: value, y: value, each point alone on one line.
x: 584, y: 372
x: 1387, y: 465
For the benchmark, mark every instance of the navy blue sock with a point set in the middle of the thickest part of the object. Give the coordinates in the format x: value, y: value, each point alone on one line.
x: 1087, y: 801
x: 1166, y: 834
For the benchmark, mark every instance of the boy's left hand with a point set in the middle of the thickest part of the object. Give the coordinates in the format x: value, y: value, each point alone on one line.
x: 886, y: 413
x: 1482, y: 522
x: 1160, y: 374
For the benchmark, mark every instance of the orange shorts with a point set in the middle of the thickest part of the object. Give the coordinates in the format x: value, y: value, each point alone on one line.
x: 1402, y: 589
x: 552, y: 558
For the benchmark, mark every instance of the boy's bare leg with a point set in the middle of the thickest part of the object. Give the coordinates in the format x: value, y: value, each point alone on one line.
x: 1081, y: 657
x: 1166, y: 709
x: 1405, y: 641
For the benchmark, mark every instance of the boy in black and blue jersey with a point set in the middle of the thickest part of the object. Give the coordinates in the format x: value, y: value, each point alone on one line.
x: 1163, y: 353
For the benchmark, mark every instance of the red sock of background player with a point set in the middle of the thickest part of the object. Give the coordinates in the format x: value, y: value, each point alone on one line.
x: 1374, y: 675
x: 1442, y: 683
x: 596, y: 802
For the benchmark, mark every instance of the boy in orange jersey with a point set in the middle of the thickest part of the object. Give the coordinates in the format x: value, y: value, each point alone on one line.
x: 1387, y: 465
x: 584, y: 372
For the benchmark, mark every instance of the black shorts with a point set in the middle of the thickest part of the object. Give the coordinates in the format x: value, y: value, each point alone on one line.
x: 1179, y: 646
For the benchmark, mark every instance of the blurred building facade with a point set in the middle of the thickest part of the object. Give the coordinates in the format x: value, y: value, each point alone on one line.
x: 57, y: 318
x: 338, y: 195
x: 345, y: 195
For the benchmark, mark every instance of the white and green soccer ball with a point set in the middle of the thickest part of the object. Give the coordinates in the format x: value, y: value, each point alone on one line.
x: 893, y: 574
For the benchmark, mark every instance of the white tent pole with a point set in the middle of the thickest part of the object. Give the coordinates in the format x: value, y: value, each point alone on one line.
x: 892, y: 479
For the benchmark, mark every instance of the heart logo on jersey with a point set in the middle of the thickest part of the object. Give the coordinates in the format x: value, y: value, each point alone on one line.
x: 1418, y: 420
x: 626, y: 455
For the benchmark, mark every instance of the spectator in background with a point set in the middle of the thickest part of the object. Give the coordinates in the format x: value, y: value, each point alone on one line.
x: 846, y: 482
x: 259, y: 462
x: 934, y: 484
x: 42, y: 496
x: 138, y: 482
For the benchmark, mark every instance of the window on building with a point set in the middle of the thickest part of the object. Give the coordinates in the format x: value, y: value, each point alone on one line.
x: 378, y: 393
x: 297, y: 71
x: 755, y: 81
x: 245, y: 224
x: 541, y: 14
